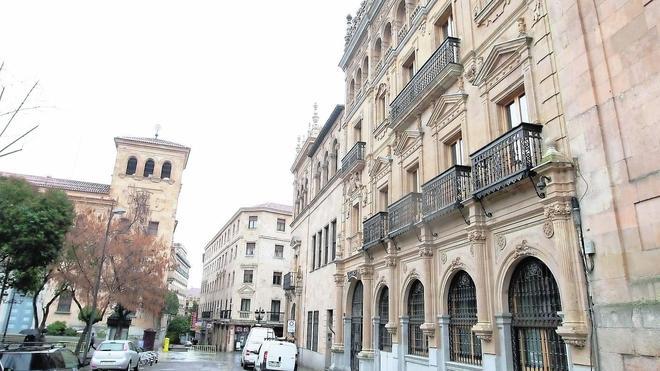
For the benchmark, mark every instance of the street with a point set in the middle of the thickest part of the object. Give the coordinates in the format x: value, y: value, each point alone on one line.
x: 198, y: 361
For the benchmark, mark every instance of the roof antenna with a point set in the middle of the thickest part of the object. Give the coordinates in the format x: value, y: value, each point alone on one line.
x: 157, y: 127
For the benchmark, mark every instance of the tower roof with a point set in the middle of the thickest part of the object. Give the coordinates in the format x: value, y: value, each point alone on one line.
x: 153, y: 141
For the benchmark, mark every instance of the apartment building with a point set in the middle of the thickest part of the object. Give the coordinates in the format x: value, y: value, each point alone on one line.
x: 177, y: 277
x: 243, y: 267
x: 496, y: 214
x: 318, y: 198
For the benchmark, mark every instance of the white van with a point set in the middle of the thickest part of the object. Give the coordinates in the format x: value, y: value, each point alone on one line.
x: 255, y: 338
x: 277, y: 355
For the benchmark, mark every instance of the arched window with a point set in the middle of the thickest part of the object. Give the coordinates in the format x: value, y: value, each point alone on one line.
x: 384, y: 338
x: 417, y: 342
x: 131, y: 166
x: 356, y: 325
x: 387, y: 37
x: 335, y: 157
x: 351, y: 91
x: 317, y: 175
x: 326, y: 168
x: 365, y: 68
x: 166, y: 170
x: 464, y: 346
x: 378, y: 49
x: 534, y: 302
x: 401, y: 14
x: 293, y: 311
x: 148, y: 168
x: 358, y: 79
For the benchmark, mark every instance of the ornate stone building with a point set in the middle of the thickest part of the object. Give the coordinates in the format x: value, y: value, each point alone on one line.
x: 242, y: 278
x: 318, y: 195
x: 148, y: 164
x: 497, y: 212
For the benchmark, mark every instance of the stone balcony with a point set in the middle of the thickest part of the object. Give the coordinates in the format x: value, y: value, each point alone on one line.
x: 437, y: 74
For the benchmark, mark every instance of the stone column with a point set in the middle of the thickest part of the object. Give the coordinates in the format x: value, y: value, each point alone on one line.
x: 483, y: 329
x: 443, y: 353
x: 403, y: 341
x: 558, y: 227
x: 375, y: 323
x: 366, y: 275
x: 505, y: 350
x: 299, y: 339
x: 392, y: 323
x: 428, y: 327
x: 338, y: 345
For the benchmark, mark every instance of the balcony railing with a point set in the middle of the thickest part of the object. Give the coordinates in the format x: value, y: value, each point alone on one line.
x: 403, y: 214
x: 429, y: 75
x: 375, y: 229
x: 445, y: 192
x: 245, y: 314
x: 507, y: 159
x: 287, y: 282
x: 402, y: 34
x: 206, y: 314
x: 225, y: 314
x: 274, y: 316
x: 354, y: 158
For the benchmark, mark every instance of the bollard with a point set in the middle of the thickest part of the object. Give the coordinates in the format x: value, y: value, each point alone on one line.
x: 166, y: 345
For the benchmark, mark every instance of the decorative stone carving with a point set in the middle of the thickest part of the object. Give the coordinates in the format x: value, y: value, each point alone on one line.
x: 456, y: 264
x: 391, y: 328
x: 573, y: 335
x: 557, y: 210
x: 491, y: 12
x: 428, y: 329
x: 443, y: 257
x: 522, y: 249
x: 339, y: 279
x: 477, y: 235
x: 390, y: 261
x: 425, y: 252
x: 522, y: 27
x: 483, y: 331
x: 500, y: 241
x: 537, y: 11
x: 548, y: 229
x: 354, y: 274
x: 366, y: 272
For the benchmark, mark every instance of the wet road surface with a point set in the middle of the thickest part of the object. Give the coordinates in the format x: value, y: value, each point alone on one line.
x: 198, y: 361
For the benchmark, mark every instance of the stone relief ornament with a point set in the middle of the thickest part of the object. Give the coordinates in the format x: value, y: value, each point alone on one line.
x: 522, y: 27
x: 477, y: 235
x: 390, y: 261
x: 425, y: 252
x: 354, y: 274
x: 500, y: 240
x: 456, y: 264
x: 522, y: 249
x: 366, y: 271
x: 557, y: 210
x: 548, y: 229
x: 537, y: 11
x: 443, y: 257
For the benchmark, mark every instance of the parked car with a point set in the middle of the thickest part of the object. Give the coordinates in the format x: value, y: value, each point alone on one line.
x: 116, y: 354
x: 277, y: 355
x: 46, y: 357
x: 254, y: 340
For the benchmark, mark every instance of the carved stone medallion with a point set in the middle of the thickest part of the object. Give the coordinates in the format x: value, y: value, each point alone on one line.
x: 548, y: 229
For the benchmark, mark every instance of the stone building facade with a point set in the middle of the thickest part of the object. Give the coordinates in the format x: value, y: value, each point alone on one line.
x: 177, y: 277
x: 318, y: 198
x: 147, y: 164
x: 497, y: 213
x: 243, y: 270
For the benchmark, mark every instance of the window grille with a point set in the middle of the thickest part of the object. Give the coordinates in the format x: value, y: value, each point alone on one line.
x: 310, y: 317
x: 464, y: 346
x: 64, y: 302
x: 534, y: 302
x: 417, y: 342
x: 384, y: 338
x: 356, y: 326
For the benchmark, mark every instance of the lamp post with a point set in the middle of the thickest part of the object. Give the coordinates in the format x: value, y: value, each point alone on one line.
x: 259, y: 314
x: 97, y: 284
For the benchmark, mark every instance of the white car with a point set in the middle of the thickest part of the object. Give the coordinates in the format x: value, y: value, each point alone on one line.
x: 116, y: 355
x: 254, y: 340
x: 277, y: 355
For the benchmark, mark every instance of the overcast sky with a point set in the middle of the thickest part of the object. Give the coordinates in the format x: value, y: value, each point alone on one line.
x: 234, y: 80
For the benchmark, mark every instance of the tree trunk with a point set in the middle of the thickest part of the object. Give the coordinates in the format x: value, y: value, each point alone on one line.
x: 84, y: 334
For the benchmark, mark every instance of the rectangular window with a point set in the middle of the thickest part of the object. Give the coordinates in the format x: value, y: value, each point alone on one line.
x: 319, y: 242
x: 326, y: 248
x: 279, y: 251
x: 275, y: 314
x: 357, y: 131
x: 456, y: 152
x: 252, y: 222
x: 334, y: 239
x: 245, y: 305
x: 277, y: 278
x: 248, y: 274
x: 281, y: 225
x: 249, y: 248
x: 64, y: 302
x: 413, y: 179
x: 409, y: 69
x: 310, y: 318
x: 313, y: 248
x: 152, y: 228
x: 355, y: 216
x: 516, y: 111
x: 315, y: 332
x: 383, y: 201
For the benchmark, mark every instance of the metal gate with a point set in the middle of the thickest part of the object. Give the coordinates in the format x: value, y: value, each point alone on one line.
x: 356, y: 326
x: 534, y: 302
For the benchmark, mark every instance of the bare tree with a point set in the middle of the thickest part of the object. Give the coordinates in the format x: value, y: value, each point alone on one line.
x: 7, y: 149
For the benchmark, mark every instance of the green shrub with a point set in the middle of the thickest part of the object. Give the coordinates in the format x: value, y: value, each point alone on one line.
x: 70, y: 331
x: 56, y: 328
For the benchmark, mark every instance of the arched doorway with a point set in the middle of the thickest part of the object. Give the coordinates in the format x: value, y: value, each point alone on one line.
x: 356, y: 325
x: 384, y: 338
x: 417, y: 342
x: 464, y: 346
x: 534, y: 302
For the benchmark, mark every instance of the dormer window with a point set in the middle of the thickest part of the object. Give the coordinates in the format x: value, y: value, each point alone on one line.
x: 148, y: 168
x: 131, y: 166
x: 166, y: 170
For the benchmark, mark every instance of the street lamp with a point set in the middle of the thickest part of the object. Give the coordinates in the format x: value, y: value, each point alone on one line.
x: 97, y: 284
x: 259, y: 314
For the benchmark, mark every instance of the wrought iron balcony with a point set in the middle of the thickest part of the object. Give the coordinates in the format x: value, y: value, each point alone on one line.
x: 434, y: 77
x: 287, y: 282
x: 274, y: 316
x: 375, y: 229
x: 354, y: 159
x: 445, y: 192
x: 206, y: 314
x: 403, y: 214
x: 506, y: 160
